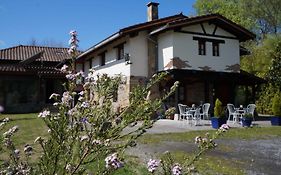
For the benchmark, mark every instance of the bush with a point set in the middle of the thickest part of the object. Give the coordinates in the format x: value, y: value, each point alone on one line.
x: 264, y: 102
x: 218, y: 110
x: 276, y: 104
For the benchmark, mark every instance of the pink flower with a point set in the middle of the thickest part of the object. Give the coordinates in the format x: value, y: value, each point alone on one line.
x: 224, y: 127
x: 70, y: 76
x: 73, y: 32
x: 177, y: 170
x: 44, y: 114
x: 66, y: 98
x: 152, y: 165
x: 112, y: 161
x: 54, y: 96
x: 64, y: 68
x: 198, y: 139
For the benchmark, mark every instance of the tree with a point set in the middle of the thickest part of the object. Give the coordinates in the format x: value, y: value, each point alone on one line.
x: 274, y: 73
x: 260, y: 16
x: 264, y: 57
x: 231, y: 9
x: 266, y: 13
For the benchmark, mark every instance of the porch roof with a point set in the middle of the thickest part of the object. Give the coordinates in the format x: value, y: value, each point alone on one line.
x: 30, y: 70
x: 242, y: 78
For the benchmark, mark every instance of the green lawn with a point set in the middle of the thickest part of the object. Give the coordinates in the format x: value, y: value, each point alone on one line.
x: 30, y: 127
x: 236, y: 133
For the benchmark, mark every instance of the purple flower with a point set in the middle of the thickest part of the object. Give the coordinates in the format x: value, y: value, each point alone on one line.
x: 73, y: 32
x: 64, y: 68
x: 54, y: 96
x: 152, y: 165
x: 66, y: 98
x: 70, y: 76
x: 224, y: 127
x: 198, y: 139
x: 177, y: 170
x: 84, y: 138
x: 112, y: 161
x: 44, y: 114
x: 85, y: 105
x: 84, y: 120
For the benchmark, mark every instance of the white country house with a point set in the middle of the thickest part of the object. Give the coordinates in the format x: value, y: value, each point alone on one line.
x: 201, y: 52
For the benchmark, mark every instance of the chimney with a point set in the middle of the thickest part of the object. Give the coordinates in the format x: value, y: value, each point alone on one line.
x: 152, y: 11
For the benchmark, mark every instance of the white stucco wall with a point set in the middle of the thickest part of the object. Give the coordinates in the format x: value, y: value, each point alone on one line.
x: 186, y: 49
x: 137, y: 48
x: 114, y: 68
x: 165, y: 49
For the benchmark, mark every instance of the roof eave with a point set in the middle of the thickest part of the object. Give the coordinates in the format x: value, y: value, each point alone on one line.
x: 102, y: 43
x: 243, y: 36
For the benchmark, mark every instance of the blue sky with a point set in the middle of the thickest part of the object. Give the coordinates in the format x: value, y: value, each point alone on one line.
x: 49, y: 21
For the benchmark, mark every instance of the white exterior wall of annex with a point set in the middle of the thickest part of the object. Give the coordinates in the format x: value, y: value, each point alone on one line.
x: 112, y: 65
x: 165, y: 49
x: 186, y: 49
x: 138, y: 54
x: 135, y: 46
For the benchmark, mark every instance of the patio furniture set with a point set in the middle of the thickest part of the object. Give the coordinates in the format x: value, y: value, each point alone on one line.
x: 195, y: 114
x: 238, y: 113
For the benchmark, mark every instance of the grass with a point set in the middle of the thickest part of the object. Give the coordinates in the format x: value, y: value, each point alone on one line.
x: 236, y: 133
x: 30, y: 127
x: 210, y: 164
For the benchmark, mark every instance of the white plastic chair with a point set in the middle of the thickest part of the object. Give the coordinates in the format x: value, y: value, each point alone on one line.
x: 251, y: 109
x: 231, y: 112
x: 184, y: 114
x: 196, y: 117
x: 205, y: 111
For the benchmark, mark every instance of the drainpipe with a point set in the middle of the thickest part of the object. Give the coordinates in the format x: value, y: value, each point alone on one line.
x: 153, y: 40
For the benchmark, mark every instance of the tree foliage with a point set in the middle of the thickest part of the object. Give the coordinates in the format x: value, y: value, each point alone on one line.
x: 231, y: 9
x: 260, y: 16
x: 260, y: 61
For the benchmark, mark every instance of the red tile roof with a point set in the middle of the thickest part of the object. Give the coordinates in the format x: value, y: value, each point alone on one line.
x: 20, y: 53
x: 134, y: 28
x: 173, y: 22
x: 39, y: 70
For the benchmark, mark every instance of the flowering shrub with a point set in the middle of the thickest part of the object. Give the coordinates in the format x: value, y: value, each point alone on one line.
x: 86, y: 133
x: 168, y: 164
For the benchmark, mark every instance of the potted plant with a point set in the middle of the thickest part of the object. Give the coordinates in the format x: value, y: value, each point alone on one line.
x: 247, y: 119
x: 219, y: 115
x: 169, y: 113
x: 276, y: 109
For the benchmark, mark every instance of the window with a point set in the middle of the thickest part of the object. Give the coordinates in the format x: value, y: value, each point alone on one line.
x: 216, y: 51
x: 102, y: 57
x: 90, y: 63
x: 120, y: 52
x: 201, y: 47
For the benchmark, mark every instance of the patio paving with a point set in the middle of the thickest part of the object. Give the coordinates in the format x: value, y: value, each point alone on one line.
x: 175, y: 126
x: 172, y: 126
